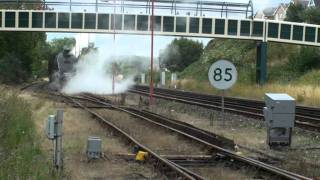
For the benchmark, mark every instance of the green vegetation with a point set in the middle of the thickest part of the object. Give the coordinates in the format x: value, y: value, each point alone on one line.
x: 20, y: 55
x: 243, y: 55
x: 180, y: 54
x: 56, y: 45
x: 87, y: 50
x: 297, y: 13
x: 20, y: 153
x: 27, y: 54
x: 292, y: 69
x: 312, y: 16
x: 304, y: 60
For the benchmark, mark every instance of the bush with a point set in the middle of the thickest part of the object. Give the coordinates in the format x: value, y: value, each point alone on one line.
x: 11, y: 70
x: 307, y: 59
x: 180, y: 53
x: 295, y: 13
x: 20, y: 155
x: 18, y: 52
x: 312, y: 16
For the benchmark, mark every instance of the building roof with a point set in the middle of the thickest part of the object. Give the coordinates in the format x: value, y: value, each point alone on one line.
x: 271, y: 11
x: 285, y: 5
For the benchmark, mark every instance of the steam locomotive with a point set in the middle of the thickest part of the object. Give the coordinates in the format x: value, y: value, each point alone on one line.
x: 62, y: 68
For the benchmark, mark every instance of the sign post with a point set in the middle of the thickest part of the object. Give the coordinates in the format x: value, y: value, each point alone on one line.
x: 222, y: 106
x: 54, y: 131
x: 222, y: 75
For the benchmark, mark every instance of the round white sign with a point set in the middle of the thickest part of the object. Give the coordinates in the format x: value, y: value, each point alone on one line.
x: 222, y: 74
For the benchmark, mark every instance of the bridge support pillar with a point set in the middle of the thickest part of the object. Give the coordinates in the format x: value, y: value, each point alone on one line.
x: 261, y: 66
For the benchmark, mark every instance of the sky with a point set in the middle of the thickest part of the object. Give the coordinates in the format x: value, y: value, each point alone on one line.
x: 137, y: 44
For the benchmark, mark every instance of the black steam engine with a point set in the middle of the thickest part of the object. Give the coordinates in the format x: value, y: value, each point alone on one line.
x: 62, y: 67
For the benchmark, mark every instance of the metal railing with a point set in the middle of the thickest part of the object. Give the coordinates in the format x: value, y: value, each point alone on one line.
x: 196, y: 7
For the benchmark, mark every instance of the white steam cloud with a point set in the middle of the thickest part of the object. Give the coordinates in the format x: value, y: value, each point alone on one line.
x: 82, y: 41
x: 93, y: 75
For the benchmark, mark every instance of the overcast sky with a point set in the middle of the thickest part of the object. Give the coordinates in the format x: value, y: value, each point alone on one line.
x: 139, y: 44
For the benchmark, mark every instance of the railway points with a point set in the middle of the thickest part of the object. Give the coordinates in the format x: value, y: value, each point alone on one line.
x: 87, y: 100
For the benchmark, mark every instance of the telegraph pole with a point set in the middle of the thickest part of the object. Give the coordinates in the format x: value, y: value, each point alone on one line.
x: 96, y: 6
x: 113, y: 77
x: 114, y: 44
x: 151, y: 68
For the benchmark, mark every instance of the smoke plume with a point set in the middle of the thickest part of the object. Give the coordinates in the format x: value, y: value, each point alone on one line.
x: 93, y: 75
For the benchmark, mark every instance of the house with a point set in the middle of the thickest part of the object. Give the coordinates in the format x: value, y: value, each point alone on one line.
x: 273, y: 13
x: 281, y: 12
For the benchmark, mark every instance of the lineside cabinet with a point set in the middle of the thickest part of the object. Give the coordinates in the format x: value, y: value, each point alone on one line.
x: 279, y: 115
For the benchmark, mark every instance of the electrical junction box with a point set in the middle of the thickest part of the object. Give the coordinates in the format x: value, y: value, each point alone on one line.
x: 279, y: 115
x: 94, y: 148
x: 50, y: 129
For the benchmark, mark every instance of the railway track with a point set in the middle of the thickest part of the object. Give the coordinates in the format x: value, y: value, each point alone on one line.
x: 220, y: 153
x: 306, y: 117
x: 171, y: 168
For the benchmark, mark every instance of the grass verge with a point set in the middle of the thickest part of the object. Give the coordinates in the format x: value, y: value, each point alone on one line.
x: 20, y: 154
x: 304, y: 94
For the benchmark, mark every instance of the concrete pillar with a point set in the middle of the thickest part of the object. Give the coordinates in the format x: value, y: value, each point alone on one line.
x: 261, y: 66
x: 163, y: 78
x: 174, y: 77
x: 143, y: 78
x: 174, y: 80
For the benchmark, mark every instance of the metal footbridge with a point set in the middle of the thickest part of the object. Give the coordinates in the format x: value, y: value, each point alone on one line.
x: 169, y: 25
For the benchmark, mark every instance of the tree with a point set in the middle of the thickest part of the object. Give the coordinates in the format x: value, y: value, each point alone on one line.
x: 90, y: 49
x: 11, y: 69
x: 25, y: 47
x: 308, y: 58
x: 312, y: 16
x: 180, y: 53
x: 295, y: 13
x: 22, y: 49
x: 56, y: 45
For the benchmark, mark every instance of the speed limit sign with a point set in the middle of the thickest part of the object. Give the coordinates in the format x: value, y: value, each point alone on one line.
x: 222, y: 74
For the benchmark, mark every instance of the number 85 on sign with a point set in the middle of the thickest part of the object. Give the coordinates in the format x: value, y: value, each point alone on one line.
x: 222, y: 74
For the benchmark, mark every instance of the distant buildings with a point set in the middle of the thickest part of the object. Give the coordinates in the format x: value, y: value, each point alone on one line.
x: 273, y: 13
x: 279, y: 13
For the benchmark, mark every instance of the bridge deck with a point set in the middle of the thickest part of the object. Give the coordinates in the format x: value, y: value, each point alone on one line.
x: 261, y: 30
